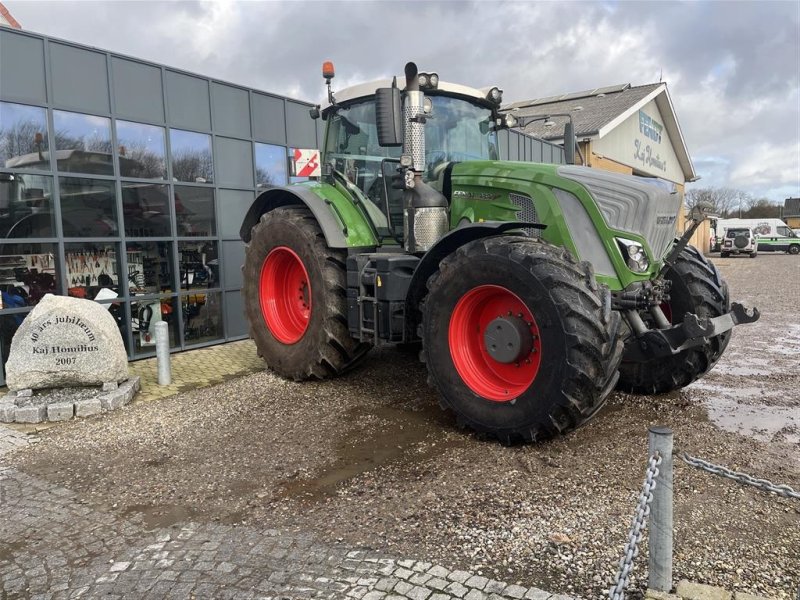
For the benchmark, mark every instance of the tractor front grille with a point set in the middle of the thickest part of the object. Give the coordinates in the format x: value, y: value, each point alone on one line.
x: 526, y: 212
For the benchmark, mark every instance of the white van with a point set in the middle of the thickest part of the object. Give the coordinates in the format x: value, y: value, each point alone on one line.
x: 773, y: 234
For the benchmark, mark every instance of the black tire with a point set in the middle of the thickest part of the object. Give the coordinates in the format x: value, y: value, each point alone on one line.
x: 724, y: 254
x: 697, y: 287
x: 326, y: 347
x: 580, y: 345
x: 753, y: 254
x: 794, y: 249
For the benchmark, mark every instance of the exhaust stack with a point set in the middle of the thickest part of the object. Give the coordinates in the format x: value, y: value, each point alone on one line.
x: 425, y: 216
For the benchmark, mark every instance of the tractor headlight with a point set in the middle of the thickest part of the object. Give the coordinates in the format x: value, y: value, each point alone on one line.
x: 434, y: 80
x: 510, y: 120
x: 423, y: 80
x: 428, y: 80
x: 634, y: 255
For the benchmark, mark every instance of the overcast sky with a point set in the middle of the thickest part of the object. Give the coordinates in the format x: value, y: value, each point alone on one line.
x: 733, y: 68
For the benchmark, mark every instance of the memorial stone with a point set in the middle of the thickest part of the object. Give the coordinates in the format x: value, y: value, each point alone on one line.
x: 66, y: 342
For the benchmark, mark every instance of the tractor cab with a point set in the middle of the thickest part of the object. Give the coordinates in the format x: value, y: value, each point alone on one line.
x: 461, y: 125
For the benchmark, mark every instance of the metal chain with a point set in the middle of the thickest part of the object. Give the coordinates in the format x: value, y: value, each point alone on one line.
x: 617, y: 591
x: 765, y: 485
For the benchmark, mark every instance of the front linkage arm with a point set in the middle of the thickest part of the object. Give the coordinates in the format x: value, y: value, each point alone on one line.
x: 669, y: 339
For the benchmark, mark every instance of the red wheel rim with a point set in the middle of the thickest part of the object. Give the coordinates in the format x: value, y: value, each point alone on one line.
x: 488, y: 378
x: 666, y: 308
x: 285, y: 295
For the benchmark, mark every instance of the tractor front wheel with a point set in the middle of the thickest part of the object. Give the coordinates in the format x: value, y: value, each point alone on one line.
x: 696, y: 287
x: 519, y: 339
x: 294, y: 297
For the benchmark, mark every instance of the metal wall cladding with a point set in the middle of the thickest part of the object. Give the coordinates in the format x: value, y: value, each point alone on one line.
x: 630, y: 205
x: 138, y: 93
x: 22, y: 68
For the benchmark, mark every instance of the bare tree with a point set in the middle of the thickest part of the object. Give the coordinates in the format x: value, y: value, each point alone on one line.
x: 724, y: 202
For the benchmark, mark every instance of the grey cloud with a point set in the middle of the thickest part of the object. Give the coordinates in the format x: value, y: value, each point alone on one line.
x: 721, y: 59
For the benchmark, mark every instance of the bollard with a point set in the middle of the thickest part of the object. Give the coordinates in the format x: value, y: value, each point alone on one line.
x: 660, y: 537
x: 162, y: 353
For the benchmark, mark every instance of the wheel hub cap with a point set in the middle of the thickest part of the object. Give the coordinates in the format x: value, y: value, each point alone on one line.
x: 508, y: 339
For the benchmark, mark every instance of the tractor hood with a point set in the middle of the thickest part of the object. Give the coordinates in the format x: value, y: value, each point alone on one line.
x: 631, y: 204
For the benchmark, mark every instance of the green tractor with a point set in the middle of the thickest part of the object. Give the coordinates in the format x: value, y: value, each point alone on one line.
x: 534, y: 290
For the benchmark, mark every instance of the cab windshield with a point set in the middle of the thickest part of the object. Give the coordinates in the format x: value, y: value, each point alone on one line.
x: 457, y: 131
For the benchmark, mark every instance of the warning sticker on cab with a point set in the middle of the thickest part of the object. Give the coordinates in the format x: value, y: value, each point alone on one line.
x: 305, y: 163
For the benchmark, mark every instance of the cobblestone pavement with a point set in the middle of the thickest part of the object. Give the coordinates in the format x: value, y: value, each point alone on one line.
x: 54, y: 545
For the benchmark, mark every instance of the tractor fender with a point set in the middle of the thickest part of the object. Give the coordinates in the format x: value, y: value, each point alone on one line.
x: 449, y: 243
x: 333, y: 230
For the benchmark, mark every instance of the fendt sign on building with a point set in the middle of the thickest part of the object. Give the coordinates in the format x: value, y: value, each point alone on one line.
x: 642, y: 141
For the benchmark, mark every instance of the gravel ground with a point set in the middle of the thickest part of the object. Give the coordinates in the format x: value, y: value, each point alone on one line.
x: 369, y: 459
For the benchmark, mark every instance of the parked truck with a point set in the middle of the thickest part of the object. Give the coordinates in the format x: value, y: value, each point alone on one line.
x: 534, y: 290
x: 773, y: 235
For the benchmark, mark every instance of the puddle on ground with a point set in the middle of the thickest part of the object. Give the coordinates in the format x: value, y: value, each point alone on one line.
x: 159, y: 516
x: 752, y: 411
x: 757, y: 421
x: 397, y: 435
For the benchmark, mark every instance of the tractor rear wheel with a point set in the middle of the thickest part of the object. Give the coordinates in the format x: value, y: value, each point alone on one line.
x: 519, y: 339
x: 697, y: 287
x: 294, y: 296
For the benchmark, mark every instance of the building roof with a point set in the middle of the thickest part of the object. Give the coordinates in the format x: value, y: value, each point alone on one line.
x: 791, y: 207
x: 7, y: 19
x: 596, y: 112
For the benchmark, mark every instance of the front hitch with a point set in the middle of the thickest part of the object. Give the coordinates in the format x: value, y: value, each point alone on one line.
x: 693, y: 331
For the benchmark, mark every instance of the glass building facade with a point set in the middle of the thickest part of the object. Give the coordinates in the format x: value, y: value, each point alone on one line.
x: 126, y: 182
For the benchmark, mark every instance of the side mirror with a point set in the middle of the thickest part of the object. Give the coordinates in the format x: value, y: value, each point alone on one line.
x: 569, y: 143
x: 388, y: 116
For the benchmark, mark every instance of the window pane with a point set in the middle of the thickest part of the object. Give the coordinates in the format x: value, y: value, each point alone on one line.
x: 92, y: 270
x: 194, y: 211
x: 144, y: 316
x: 202, y: 317
x: 88, y: 207
x: 27, y: 273
x: 199, y: 264
x: 26, y: 208
x: 191, y: 156
x: 83, y: 143
x: 150, y: 267
x: 270, y: 165
x: 145, y: 210
x: 141, y: 150
x: 24, y: 142
x: 116, y: 309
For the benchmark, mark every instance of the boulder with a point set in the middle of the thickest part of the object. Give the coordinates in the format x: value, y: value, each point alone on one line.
x: 65, y: 342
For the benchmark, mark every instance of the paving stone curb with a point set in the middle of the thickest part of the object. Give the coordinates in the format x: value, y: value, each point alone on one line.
x: 113, y: 397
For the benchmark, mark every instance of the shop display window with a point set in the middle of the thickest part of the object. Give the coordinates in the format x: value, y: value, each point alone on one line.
x: 92, y: 270
x: 194, y: 211
x: 116, y: 308
x: 199, y: 264
x: 24, y: 142
x: 145, y: 210
x: 88, y: 207
x: 27, y: 273
x: 191, y: 156
x: 141, y: 150
x: 202, y: 317
x: 26, y: 206
x: 270, y: 165
x: 83, y: 143
x: 150, y: 267
x: 145, y: 314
